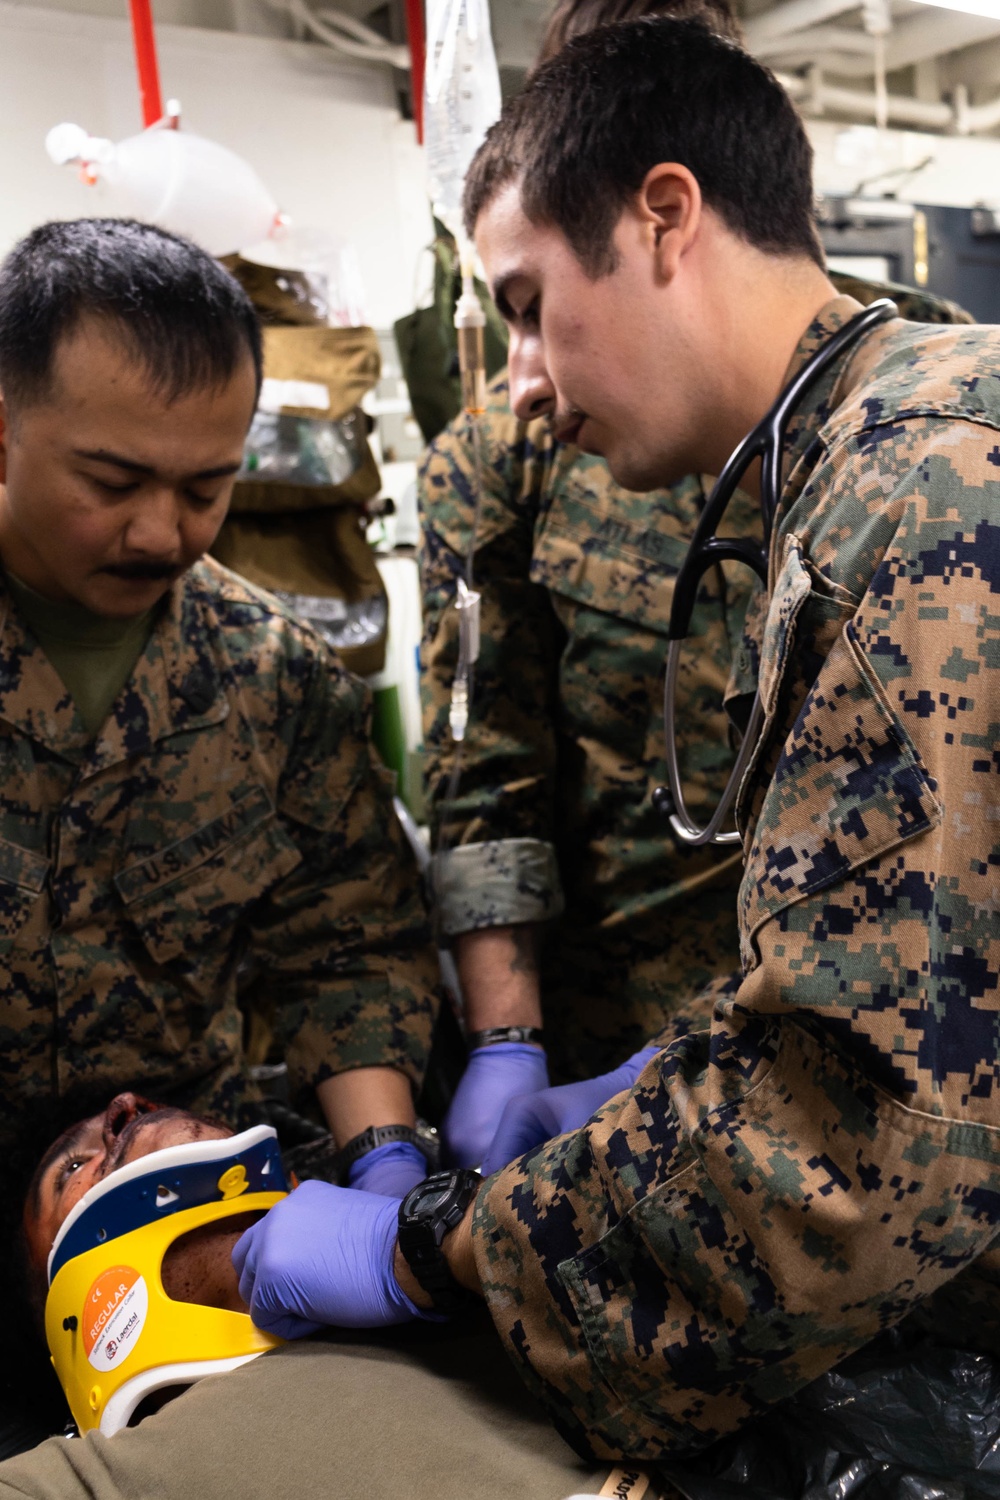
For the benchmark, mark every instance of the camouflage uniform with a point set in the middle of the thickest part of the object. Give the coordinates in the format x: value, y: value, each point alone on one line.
x: 226, y: 830
x: 553, y: 821
x: 782, y: 1185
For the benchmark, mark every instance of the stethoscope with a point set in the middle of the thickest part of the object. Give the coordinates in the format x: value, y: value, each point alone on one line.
x: 765, y: 441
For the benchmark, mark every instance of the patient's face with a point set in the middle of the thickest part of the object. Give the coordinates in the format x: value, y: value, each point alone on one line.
x: 91, y: 1150
x: 197, y: 1268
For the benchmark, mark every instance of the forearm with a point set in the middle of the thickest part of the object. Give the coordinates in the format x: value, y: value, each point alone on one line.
x: 354, y: 1100
x: 498, y: 969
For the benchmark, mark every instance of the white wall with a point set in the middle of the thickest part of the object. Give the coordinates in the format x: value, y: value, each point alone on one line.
x: 324, y: 135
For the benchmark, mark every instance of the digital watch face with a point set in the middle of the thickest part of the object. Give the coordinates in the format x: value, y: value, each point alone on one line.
x: 429, y: 1203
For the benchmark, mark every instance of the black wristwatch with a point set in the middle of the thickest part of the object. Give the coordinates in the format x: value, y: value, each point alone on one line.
x: 425, y: 1216
x: 422, y: 1135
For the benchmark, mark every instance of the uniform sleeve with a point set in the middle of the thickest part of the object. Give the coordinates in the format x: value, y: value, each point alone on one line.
x: 782, y: 1185
x: 501, y: 865
x: 342, y: 944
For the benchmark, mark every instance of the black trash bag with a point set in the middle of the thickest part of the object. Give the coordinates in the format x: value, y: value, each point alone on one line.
x: 906, y: 1418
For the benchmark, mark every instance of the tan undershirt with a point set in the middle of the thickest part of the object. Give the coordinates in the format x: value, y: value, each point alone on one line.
x: 93, y: 654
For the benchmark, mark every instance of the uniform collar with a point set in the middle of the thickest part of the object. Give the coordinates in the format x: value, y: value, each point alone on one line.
x: 824, y: 397
x: 177, y: 683
x: 33, y: 697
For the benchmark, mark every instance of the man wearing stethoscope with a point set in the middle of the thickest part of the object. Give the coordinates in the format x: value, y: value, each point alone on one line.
x: 776, y: 1189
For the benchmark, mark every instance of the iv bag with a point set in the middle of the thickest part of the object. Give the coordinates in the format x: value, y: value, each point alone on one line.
x: 461, y: 98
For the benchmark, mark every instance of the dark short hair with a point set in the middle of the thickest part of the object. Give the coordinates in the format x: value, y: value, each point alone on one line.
x: 591, y: 123
x: 572, y: 18
x: 183, y: 317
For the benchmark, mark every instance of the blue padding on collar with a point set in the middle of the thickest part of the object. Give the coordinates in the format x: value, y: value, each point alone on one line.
x: 135, y: 1203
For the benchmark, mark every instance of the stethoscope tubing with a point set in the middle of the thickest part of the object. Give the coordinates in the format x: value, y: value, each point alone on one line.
x: 765, y: 441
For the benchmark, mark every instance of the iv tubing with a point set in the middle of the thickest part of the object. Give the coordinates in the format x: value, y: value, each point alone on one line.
x: 470, y: 320
x: 462, y: 686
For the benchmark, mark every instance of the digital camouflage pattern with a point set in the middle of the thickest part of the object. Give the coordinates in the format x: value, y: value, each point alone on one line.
x: 911, y: 303
x: 780, y: 1186
x: 225, y: 837
x: 553, y: 821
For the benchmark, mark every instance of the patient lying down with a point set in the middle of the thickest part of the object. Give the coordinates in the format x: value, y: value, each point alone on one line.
x: 130, y: 1221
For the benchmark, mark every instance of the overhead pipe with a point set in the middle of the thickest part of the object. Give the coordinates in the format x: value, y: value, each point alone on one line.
x: 819, y: 39
x: 416, y: 35
x: 343, y: 33
x: 841, y: 50
x: 148, y: 68
x: 793, y: 15
x: 818, y: 96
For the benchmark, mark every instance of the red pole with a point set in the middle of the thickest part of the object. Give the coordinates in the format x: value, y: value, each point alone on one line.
x: 415, y: 36
x: 145, y: 60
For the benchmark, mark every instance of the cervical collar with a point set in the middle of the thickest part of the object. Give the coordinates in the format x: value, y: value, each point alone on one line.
x: 113, y: 1333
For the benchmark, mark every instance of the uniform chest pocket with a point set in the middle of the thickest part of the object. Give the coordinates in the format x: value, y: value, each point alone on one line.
x: 188, y: 899
x: 620, y: 564
x: 847, y: 787
x: 23, y: 875
x: 799, y: 631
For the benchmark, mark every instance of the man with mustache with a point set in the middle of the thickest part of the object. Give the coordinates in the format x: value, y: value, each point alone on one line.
x: 192, y: 823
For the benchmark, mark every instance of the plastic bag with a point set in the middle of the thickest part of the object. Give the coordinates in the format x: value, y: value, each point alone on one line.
x: 906, y: 1418
x: 327, y: 265
x: 296, y: 450
x: 343, y: 625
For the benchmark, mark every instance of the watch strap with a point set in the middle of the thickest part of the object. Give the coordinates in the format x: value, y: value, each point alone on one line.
x: 422, y: 1136
x: 494, y: 1034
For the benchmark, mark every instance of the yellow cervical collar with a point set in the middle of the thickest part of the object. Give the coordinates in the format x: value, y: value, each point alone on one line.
x: 113, y: 1333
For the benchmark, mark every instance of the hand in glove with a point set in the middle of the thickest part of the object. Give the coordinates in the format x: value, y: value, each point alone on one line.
x: 533, y: 1119
x: 323, y: 1255
x: 493, y: 1076
x: 390, y: 1170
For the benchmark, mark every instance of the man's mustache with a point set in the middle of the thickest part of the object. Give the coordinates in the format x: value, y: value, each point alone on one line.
x: 142, y: 570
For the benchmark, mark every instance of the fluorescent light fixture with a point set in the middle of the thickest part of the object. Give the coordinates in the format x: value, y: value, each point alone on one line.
x: 989, y: 8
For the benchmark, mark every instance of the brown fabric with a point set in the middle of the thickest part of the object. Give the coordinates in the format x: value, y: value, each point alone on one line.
x: 319, y: 552
x: 280, y: 296
x: 345, y: 360
x: 303, y: 538
x: 409, y: 1415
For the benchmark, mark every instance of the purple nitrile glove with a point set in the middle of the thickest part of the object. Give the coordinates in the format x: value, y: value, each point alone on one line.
x: 323, y: 1255
x: 493, y: 1076
x: 533, y: 1119
x: 391, y: 1170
